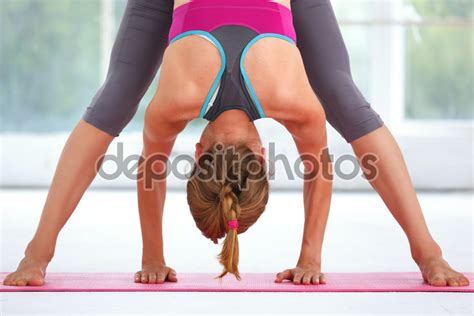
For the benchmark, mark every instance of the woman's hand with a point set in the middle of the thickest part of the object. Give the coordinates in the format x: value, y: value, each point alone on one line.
x: 303, y: 274
x: 155, y: 273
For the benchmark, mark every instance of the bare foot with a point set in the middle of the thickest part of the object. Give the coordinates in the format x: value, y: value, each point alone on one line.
x: 29, y: 272
x: 437, y: 272
x: 155, y: 274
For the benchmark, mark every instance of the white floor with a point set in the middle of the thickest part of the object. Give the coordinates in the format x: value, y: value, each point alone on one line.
x: 103, y: 236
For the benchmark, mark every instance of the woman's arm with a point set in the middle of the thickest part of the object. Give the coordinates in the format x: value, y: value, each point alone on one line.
x: 310, y: 139
x: 317, y: 191
x: 159, y: 135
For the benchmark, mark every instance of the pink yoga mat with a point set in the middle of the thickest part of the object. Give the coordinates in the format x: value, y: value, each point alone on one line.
x: 251, y: 282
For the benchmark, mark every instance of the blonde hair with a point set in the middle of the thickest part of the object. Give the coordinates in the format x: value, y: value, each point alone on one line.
x: 227, y: 184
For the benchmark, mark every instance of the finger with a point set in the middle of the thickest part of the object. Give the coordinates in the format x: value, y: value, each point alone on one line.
x: 285, y: 275
x: 307, y: 278
x: 315, y: 279
x: 160, y: 277
x: 322, y: 279
x: 138, y: 277
x: 152, y: 278
x: 297, y: 278
x: 172, y: 276
x: 144, y: 278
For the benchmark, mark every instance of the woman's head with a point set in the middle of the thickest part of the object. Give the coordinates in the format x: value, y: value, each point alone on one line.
x: 230, y: 127
x: 227, y: 192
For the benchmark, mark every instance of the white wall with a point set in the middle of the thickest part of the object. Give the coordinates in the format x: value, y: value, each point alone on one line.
x: 437, y: 157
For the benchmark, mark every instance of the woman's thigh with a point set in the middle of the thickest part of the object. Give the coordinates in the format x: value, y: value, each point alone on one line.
x: 327, y: 65
x: 135, y: 58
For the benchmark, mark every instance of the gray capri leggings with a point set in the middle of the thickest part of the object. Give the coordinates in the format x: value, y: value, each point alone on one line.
x: 136, y: 56
x: 143, y: 37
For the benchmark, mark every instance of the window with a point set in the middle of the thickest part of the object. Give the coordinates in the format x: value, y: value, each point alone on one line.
x: 419, y: 54
x: 58, y: 50
x: 50, y: 62
x: 439, y: 61
x: 412, y: 59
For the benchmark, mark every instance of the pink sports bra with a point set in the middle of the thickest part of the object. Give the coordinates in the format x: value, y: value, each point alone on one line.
x: 262, y: 16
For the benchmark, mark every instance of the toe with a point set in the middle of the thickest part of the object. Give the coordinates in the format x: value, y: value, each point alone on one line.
x: 8, y: 280
x: 463, y: 281
x: 21, y: 282
x: 437, y: 280
x: 36, y: 281
x: 453, y: 281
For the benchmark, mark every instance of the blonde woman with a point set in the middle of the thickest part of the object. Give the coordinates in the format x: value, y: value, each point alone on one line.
x: 231, y: 64
x: 280, y: 87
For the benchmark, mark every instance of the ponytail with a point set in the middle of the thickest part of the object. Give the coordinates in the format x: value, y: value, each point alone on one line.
x: 230, y: 210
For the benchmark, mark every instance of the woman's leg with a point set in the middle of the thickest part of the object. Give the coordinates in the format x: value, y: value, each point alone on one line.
x: 74, y: 172
x: 327, y: 66
x: 394, y: 185
x: 136, y: 55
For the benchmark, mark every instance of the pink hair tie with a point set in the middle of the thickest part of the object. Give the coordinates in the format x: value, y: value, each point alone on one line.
x: 233, y: 224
